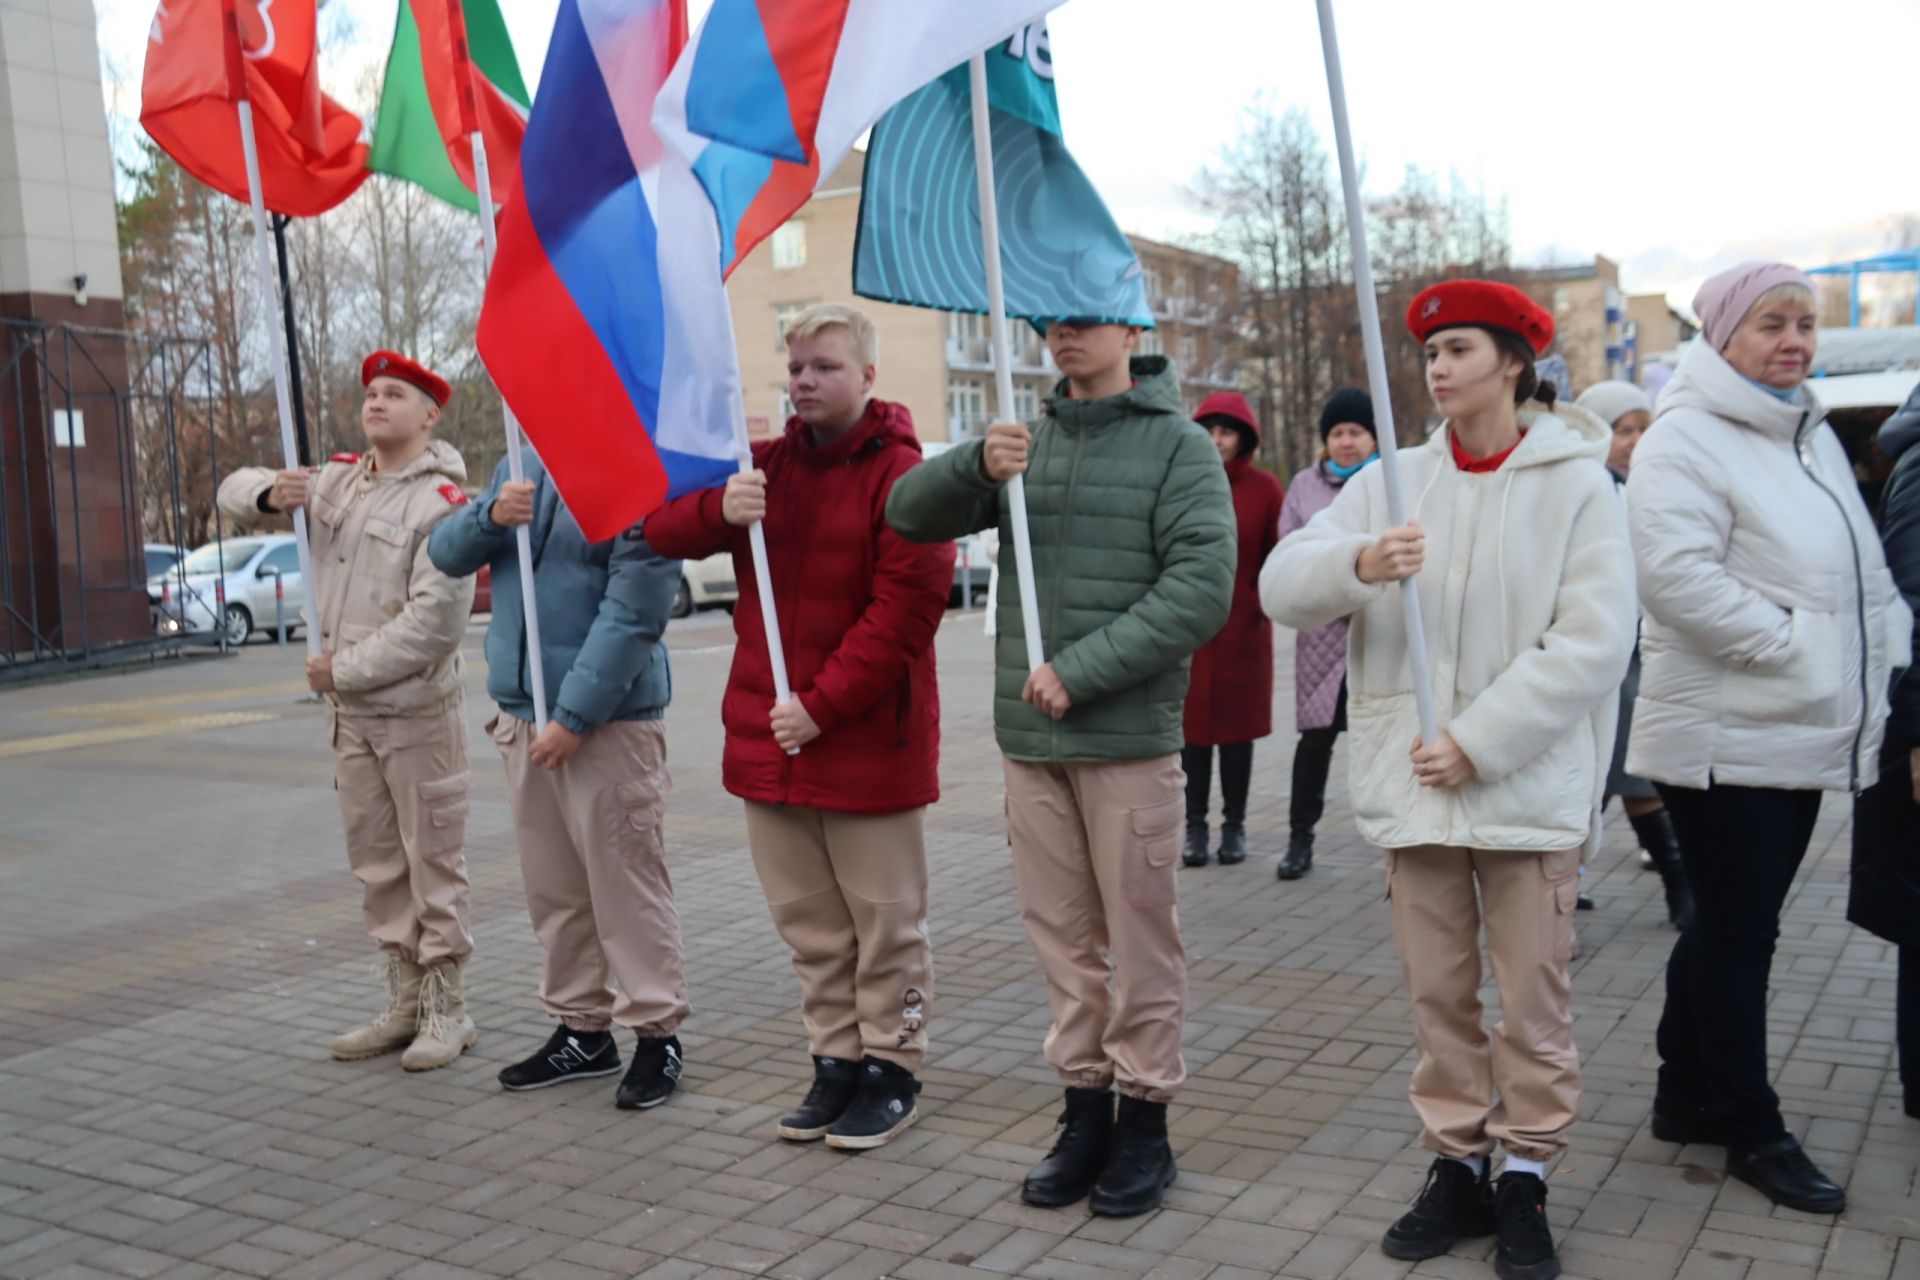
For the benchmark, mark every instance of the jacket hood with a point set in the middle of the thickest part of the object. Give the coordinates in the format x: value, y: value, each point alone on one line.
x: 1706, y: 382
x: 440, y: 459
x: 1230, y: 405
x: 1154, y: 390
x: 1901, y: 432
x: 1567, y: 431
x: 882, y: 424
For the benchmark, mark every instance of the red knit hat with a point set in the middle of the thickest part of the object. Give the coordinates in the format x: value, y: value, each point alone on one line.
x: 391, y: 364
x: 1482, y: 304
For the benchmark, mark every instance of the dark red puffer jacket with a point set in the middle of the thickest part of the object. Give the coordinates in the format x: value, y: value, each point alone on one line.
x: 1230, y: 696
x: 859, y: 607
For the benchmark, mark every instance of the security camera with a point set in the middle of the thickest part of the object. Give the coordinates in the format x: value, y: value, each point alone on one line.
x: 80, y: 290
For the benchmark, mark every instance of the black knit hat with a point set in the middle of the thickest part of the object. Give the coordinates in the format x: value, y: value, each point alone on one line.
x: 1348, y: 404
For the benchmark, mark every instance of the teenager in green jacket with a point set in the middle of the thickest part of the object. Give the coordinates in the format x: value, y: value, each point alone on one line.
x: 1133, y: 548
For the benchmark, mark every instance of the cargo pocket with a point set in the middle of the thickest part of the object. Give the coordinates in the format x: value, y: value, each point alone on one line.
x: 636, y: 818
x: 443, y: 806
x: 1562, y: 873
x: 1152, y: 852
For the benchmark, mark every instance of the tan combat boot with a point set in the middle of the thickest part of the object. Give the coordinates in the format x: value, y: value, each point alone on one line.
x: 445, y: 1028
x: 393, y: 1029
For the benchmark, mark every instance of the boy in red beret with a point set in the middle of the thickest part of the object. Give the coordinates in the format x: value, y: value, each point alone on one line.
x: 390, y: 627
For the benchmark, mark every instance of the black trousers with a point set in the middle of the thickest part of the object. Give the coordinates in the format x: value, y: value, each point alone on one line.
x: 1236, y: 778
x: 1312, y: 762
x: 1741, y: 847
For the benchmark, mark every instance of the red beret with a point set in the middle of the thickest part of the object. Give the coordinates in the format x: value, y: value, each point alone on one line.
x: 391, y: 364
x: 1485, y: 304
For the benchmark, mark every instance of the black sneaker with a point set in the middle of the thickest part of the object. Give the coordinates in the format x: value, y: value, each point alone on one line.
x: 1456, y: 1203
x: 1525, y: 1248
x: 655, y: 1073
x: 567, y: 1055
x: 882, y: 1107
x: 834, y: 1083
x: 1786, y: 1175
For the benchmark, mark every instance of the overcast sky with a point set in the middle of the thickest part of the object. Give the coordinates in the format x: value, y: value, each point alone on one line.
x: 1674, y: 136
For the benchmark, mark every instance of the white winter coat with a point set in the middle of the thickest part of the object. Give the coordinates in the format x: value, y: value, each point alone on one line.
x: 1770, y: 614
x: 1527, y: 605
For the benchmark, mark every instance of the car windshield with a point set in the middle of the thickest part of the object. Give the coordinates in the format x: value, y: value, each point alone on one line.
x: 218, y: 557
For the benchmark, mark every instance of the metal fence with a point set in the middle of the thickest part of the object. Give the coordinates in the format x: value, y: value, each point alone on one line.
x: 93, y: 465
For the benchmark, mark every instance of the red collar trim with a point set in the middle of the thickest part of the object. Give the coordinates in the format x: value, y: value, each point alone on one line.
x: 1481, y: 466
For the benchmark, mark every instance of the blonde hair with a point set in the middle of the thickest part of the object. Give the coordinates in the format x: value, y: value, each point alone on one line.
x: 1792, y: 291
x: 838, y: 315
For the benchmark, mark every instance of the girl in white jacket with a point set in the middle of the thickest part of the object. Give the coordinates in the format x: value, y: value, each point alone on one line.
x: 1527, y: 590
x: 1770, y: 624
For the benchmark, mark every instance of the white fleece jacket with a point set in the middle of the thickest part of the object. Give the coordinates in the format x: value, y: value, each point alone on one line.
x: 1527, y: 601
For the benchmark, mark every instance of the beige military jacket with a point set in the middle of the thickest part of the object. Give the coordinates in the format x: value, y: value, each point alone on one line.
x: 392, y: 620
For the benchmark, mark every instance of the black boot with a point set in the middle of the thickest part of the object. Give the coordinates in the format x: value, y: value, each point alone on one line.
x: 1783, y: 1173
x: 882, y: 1108
x: 1525, y: 1248
x: 834, y: 1083
x: 1456, y: 1203
x: 1662, y: 843
x: 1299, y: 858
x: 1233, y: 844
x: 1196, y: 854
x: 653, y: 1074
x: 1073, y: 1166
x: 1140, y: 1168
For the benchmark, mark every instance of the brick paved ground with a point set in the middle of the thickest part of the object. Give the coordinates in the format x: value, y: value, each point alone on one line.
x: 179, y: 936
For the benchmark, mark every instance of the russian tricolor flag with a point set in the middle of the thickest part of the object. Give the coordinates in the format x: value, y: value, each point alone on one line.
x: 605, y: 325
x: 772, y: 94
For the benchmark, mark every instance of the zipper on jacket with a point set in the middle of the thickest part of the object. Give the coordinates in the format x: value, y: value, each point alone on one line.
x: 1804, y: 454
x: 1059, y: 580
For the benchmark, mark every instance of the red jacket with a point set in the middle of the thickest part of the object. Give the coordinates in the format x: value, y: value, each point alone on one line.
x: 1230, y: 696
x: 858, y: 609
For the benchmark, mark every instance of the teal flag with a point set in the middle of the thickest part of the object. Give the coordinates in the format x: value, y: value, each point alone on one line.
x: 918, y: 243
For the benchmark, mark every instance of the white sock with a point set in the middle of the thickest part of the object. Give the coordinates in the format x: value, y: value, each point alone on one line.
x: 1476, y: 1163
x: 1520, y: 1164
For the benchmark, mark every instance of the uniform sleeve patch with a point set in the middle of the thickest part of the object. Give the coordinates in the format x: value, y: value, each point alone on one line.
x: 454, y: 494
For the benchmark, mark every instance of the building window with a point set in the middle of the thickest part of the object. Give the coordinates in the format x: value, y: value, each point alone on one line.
x: 1026, y: 401
x: 1152, y: 281
x: 966, y: 408
x: 790, y: 246
x: 784, y: 314
x: 1149, y: 342
x: 786, y: 407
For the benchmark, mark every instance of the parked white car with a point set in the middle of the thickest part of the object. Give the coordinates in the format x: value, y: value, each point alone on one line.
x: 228, y: 586
x: 705, y: 584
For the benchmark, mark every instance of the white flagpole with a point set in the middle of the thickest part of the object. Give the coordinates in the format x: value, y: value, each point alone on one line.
x: 763, y: 578
x: 522, y: 536
x: 1377, y: 370
x: 283, y: 395
x: 1003, y: 354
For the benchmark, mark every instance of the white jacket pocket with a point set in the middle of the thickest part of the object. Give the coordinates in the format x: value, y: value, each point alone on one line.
x: 1809, y: 688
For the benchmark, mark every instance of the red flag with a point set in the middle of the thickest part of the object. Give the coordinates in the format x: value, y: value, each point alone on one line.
x: 203, y: 56
x: 465, y: 98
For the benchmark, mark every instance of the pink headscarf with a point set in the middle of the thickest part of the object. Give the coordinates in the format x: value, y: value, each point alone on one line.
x: 1725, y: 299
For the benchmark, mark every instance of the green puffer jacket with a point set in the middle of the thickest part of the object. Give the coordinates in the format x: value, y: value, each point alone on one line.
x: 1133, y: 549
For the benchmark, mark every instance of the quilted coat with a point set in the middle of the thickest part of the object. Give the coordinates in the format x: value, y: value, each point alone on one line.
x: 1133, y: 549
x: 859, y: 607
